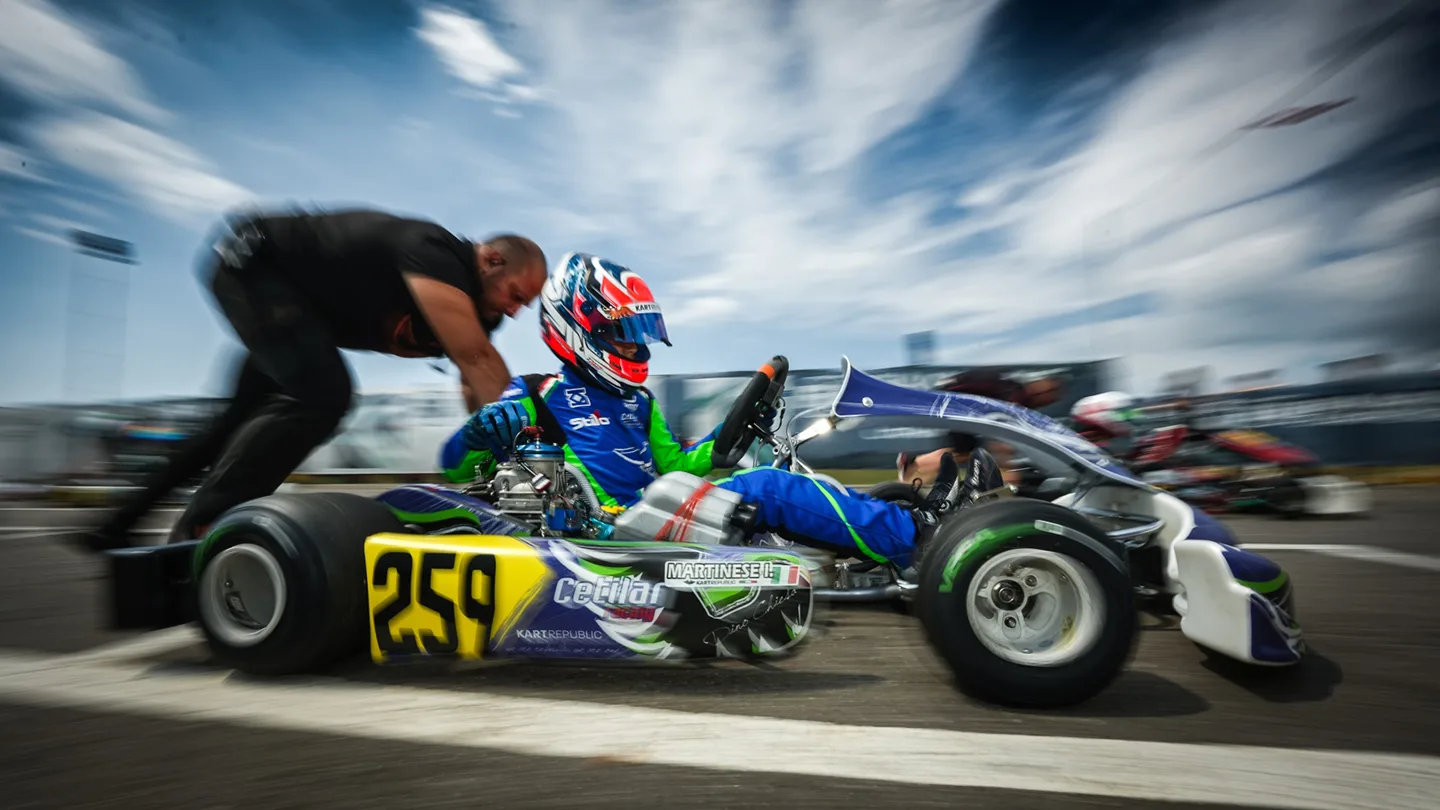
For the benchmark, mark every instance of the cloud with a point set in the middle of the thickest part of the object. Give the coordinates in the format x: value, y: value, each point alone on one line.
x: 47, y: 237
x: 1238, y: 245
x: 468, y: 51
x: 170, y: 176
x: 47, y: 55
x: 85, y: 90
x: 730, y: 136
x: 728, y: 147
x: 17, y: 163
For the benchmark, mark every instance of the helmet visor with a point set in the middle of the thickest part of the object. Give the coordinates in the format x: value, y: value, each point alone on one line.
x: 640, y: 327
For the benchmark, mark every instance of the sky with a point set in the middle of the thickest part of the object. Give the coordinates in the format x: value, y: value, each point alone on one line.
x: 1035, y: 181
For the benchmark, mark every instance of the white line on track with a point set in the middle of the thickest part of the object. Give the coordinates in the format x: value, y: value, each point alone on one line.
x: 1213, y: 774
x: 33, y: 532
x: 153, y: 643
x: 1364, y: 553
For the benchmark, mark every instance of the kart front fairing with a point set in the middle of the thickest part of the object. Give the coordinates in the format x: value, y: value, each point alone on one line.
x: 1192, y: 560
x: 1050, y: 445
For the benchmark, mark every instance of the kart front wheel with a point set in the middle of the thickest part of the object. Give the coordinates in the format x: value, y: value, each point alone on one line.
x: 280, y: 581
x: 1029, y: 603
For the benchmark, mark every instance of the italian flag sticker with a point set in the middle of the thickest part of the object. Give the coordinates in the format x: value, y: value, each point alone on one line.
x: 785, y: 575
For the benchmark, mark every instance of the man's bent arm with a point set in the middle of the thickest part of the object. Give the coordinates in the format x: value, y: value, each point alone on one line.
x: 451, y: 314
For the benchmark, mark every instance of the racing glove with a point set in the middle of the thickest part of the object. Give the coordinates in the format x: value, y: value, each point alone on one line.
x: 495, y: 426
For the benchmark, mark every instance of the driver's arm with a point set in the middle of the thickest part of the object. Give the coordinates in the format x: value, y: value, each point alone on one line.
x: 697, y: 459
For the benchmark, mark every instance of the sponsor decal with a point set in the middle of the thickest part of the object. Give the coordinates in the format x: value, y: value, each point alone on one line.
x: 560, y: 635
x: 593, y: 420
x: 577, y: 397
x: 630, y: 419
x: 609, y: 592
x: 719, y: 635
x: 512, y: 391
x: 620, y: 598
x: 639, y: 456
x: 688, y: 574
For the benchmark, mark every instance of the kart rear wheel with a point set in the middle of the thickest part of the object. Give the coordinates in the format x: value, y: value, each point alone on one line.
x: 1029, y: 604
x: 280, y: 581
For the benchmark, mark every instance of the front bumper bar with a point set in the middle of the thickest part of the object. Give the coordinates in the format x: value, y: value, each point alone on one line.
x: 150, y: 587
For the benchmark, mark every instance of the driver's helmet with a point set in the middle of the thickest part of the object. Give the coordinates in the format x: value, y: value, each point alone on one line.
x: 588, y: 305
x: 1108, y: 414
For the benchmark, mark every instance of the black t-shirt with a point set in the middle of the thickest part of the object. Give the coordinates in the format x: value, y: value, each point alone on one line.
x: 349, y: 264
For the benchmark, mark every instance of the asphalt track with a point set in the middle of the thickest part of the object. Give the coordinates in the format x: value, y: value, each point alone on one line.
x: 864, y: 718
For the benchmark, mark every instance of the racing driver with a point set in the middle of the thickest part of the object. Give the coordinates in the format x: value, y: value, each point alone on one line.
x: 598, y: 319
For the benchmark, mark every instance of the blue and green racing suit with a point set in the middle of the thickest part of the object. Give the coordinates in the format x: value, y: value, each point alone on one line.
x: 621, y: 444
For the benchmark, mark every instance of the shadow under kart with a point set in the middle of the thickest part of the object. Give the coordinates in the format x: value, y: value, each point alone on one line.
x: 1030, y: 603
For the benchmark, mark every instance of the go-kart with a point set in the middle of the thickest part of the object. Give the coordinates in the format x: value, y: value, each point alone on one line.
x: 1243, y: 471
x: 1030, y: 603
x: 1179, y: 560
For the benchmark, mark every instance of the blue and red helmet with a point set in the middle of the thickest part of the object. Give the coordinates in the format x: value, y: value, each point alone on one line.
x: 590, y: 304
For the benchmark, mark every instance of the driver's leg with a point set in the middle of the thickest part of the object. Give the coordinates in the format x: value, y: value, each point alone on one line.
x: 800, y: 505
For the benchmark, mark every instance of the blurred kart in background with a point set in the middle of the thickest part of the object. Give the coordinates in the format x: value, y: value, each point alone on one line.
x: 1243, y: 471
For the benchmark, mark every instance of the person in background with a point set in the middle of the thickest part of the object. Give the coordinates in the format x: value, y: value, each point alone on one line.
x: 1035, y: 394
x: 299, y: 287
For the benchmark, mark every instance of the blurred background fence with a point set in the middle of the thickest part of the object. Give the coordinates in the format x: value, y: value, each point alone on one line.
x: 1377, y: 420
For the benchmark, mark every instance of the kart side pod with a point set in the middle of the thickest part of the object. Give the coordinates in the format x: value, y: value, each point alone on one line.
x: 1236, y: 603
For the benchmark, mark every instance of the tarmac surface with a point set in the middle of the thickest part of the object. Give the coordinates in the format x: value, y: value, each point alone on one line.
x: 864, y: 717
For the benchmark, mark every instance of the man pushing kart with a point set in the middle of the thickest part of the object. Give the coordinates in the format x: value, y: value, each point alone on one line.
x: 599, y: 319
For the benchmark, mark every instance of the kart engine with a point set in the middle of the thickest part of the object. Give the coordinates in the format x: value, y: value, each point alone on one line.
x: 537, y: 487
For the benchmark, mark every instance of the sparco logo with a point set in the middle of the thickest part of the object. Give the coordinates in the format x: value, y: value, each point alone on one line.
x: 608, y: 592
x: 561, y: 635
x: 593, y: 420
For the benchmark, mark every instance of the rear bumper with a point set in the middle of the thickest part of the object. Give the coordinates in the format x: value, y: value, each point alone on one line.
x: 149, y: 587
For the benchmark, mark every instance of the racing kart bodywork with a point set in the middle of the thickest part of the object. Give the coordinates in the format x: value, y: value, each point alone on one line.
x: 1243, y: 471
x: 1231, y: 601
x: 1030, y: 603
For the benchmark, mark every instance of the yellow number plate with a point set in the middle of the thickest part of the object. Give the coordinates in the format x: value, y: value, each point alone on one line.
x: 448, y: 596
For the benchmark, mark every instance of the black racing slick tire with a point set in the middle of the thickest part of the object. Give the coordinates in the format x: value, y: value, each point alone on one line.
x: 1017, y: 566
x: 280, y: 581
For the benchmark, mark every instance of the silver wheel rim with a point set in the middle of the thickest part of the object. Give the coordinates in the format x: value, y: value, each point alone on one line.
x: 242, y: 595
x: 1036, y: 608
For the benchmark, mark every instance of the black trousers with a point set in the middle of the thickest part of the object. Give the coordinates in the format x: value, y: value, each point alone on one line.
x: 291, y: 392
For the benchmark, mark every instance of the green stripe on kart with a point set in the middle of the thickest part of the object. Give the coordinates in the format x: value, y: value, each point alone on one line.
x: 205, y: 545
x: 983, y: 539
x: 1266, y: 587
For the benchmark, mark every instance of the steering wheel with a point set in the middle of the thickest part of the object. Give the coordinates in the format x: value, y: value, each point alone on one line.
x: 757, y: 401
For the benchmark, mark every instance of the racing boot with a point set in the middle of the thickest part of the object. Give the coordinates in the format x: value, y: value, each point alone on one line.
x: 983, y: 478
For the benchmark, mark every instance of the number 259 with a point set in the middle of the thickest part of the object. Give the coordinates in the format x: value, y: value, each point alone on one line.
x: 481, y: 611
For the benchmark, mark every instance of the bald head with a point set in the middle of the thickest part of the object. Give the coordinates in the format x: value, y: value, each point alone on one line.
x: 512, y: 270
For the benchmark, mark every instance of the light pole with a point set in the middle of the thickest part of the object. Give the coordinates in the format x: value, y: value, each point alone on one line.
x: 109, y: 302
